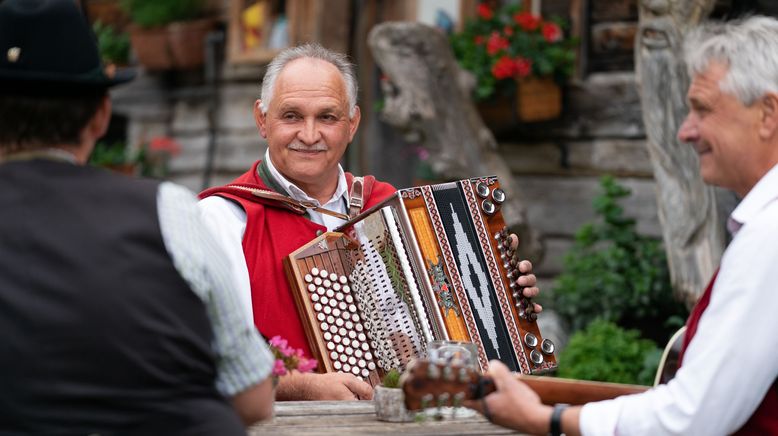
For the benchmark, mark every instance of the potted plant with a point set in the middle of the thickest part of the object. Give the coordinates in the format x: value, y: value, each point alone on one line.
x: 168, y: 34
x: 114, y: 45
x: 513, y: 52
x: 389, y: 399
x: 114, y: 156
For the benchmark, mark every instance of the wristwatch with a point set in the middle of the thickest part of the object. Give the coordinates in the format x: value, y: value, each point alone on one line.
x: 555, y: 429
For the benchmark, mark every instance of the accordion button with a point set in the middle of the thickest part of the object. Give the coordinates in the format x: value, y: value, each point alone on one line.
x: 488, y: 207
x: 371, y: 366
x: 352, y: 360
x: 482, y: 190
x: 366, y: 349
x: 547, y: 346
x: 346, y: 289
x: 308, y: 278
x: 326, y: 283
x: 333, y: 355
x: 355, y: 318
x: 333, y: 277
x: 315, y: 271
x: 327, y: 336
x: 320, y: 317
x: 343, y: 358
x: 355, y: 370
x: 311, y: 288
x: 324, y: 326
x: 337, y: 365
x: 339, y: 347
x: 336, y: 312
x: 330, y: 346
x: 342, y: 331
x: 346, y: 367
x: 346, y: 341
x: 536, y: 357
x: 333, y: 302
x: 358, y: 352
x: 358, y: 327
x: 365, y: 373
x: 368, y: 356
x: 328, y: 311
x: 336, y: 286
x: 498, y: 195
x: 333, y: 329
x: 324, y: 300
x: 317, y: 307
x: 331, y: 319
x: 530, y: 340
x: 323, y: 274
x: 349, y: 351
x: 336, y: 338
x: 344, y: 307
x: 350, y: 325
x: 343, y: 280
x: 339, y: 322
x: 349, y: 298
x: 361, y: 337
x: 361, y: 363
x: 317, y: 281
x: 330, y: 293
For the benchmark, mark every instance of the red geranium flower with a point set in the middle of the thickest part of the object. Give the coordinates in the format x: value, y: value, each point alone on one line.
x: 527, y: 21
x: 523, y: 66
x: 504, y: 67
x: 551, y: 32
x: 485, y: 12
x: 496, y: 43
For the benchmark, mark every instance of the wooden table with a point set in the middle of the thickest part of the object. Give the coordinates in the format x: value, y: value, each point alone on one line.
x: 358, y: 417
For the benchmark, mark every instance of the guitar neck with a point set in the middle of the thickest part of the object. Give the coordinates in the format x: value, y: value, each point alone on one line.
x: 558, y: 390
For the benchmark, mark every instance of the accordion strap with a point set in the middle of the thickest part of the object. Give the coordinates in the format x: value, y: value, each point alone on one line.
x: 297, y: 206
x: 356, y: 197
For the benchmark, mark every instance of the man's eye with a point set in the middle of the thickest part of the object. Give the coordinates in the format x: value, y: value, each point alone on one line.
x: 290, y: 116
x: 329, y: 117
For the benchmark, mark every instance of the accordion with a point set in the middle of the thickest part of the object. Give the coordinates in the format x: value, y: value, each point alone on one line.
x: 428, y: 263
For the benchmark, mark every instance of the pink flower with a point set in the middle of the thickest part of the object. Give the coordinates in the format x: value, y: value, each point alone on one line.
x: 485, y: 12
x: 551, y: 32
x: 523, y: 66
x: 307, y: 365
x: 279, y: 368
x: 527, y: 21
x: 496, y: 43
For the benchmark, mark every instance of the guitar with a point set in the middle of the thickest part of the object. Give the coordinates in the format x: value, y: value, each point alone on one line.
x: 427, y: 384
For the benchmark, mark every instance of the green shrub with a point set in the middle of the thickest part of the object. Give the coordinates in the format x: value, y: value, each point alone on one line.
x: 606, y: 352
x: 113, y: 154
x: 114, y: 46
x: 616, y: 274
x: 151, y: 13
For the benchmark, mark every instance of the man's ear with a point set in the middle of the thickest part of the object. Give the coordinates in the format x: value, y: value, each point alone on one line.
x: 260, y: 119
x: 768, y: 125
x: 354, y: 123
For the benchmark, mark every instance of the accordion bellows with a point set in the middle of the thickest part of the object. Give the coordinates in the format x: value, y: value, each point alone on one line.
x: 428, y: 263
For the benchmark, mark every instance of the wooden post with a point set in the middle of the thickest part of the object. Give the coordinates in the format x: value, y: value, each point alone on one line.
x: 692, y: 225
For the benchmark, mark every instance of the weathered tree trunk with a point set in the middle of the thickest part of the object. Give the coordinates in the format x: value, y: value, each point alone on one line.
x: 427, y: 97
x: 692, y: 224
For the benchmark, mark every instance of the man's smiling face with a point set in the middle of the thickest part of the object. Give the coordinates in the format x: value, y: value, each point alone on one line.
x: 307, y: 124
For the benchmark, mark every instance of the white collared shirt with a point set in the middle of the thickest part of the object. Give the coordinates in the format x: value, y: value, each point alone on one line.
x: 338, y: 202
x: 732, y: 360
x: 227, y: 222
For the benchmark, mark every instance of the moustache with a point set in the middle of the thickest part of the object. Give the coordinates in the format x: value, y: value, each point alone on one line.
x: 299, y: 146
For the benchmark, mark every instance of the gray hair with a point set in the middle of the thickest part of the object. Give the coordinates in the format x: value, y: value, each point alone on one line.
x: 748, y: 46
x: 313, y: 51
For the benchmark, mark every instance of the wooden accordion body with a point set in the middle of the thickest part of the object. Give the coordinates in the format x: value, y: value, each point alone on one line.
x: 428, y: 263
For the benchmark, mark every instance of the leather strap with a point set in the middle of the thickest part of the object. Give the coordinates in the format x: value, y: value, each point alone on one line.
x: 356, y: 199
x: 296, y: 206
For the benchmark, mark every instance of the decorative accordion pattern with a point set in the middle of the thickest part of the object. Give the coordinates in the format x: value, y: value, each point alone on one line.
x: 428, y: 263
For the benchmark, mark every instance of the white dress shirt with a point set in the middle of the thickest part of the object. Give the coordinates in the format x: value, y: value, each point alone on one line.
x: 227, y: 221
x: 732, y: 360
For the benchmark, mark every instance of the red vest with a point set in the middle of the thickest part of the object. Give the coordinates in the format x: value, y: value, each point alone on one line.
x: 764, y: 421
x: 272, y: 232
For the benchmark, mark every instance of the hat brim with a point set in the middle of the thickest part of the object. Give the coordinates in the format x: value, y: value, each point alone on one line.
x: 23, y: 80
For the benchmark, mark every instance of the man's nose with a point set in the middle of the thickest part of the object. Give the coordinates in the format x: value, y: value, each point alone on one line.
x: 309, y: 132
x: 688, y: 130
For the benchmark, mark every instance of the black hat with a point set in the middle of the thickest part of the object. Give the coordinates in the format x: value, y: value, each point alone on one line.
x: 48, y: 44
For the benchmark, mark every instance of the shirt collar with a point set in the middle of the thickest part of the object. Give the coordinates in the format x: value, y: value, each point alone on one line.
x: 762, y: 194
x: 340, y: 194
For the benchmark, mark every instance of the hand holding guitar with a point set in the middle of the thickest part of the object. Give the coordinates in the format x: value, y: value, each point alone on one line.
x: 512, y: 400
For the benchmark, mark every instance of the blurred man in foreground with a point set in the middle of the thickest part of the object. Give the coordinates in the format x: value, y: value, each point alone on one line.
x: 117, y: 315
